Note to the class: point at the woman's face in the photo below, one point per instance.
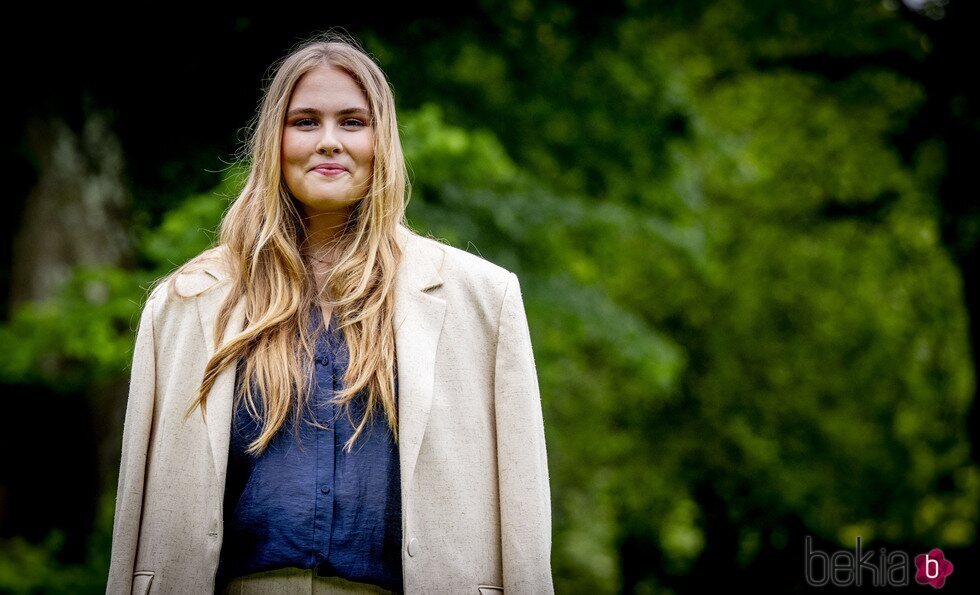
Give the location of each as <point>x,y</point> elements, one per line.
<point>327,142</point>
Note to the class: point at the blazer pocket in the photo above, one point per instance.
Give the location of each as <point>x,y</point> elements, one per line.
<point>490,589</point>
<point>141,582</point>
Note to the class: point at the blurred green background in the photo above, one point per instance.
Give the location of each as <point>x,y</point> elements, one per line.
<point>746,232</point>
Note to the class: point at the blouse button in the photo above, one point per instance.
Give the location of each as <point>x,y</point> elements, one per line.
<point>413,546</point>
<point>325,490</point>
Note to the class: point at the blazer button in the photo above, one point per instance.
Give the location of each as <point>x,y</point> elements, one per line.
<point>413,546</point>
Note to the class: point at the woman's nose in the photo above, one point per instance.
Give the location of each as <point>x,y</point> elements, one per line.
<point>328,141</point>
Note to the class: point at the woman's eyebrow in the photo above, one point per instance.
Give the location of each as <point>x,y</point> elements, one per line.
<point>312,111</point>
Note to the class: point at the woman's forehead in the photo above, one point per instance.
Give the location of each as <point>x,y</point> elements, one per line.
<point>328,90</point>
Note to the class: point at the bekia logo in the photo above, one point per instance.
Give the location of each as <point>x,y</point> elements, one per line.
<point>932,568</point>
<point>887,569</point>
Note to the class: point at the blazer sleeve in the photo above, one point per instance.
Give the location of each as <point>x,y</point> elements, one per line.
<point>522,463</point>
<point>132,466</point>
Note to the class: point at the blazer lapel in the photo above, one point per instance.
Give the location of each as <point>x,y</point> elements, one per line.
<point>220,399</point>
<point>419,317</point>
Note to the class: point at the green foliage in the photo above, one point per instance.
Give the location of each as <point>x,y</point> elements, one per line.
<point>84,335</point>
<point>839,350</point>
<point>81,337</point>
<point>438,154</point>
<point>192,227</point>
<point>772,241</point>
<point>37,568</point>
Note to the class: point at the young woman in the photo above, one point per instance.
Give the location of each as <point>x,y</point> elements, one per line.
<point>327,401</point>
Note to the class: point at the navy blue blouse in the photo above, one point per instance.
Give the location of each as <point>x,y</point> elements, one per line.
<point>313,505</point>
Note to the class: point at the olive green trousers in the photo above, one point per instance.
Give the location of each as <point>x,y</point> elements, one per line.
<point>295,581</point>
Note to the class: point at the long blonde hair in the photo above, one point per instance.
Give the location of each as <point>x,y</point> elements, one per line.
<point>262,232</point>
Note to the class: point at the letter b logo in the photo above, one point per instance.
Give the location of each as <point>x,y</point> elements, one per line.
<point>932,568</point>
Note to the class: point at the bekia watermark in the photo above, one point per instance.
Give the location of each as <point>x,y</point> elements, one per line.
<point>881,569</point>
<point>932,568</point>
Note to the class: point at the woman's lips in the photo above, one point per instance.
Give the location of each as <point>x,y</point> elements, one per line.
<point>330,171</point>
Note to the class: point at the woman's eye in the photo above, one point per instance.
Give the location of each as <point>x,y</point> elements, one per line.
<point>346,123</point>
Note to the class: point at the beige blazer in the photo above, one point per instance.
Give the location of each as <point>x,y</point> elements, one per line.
<point>476,502</point>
